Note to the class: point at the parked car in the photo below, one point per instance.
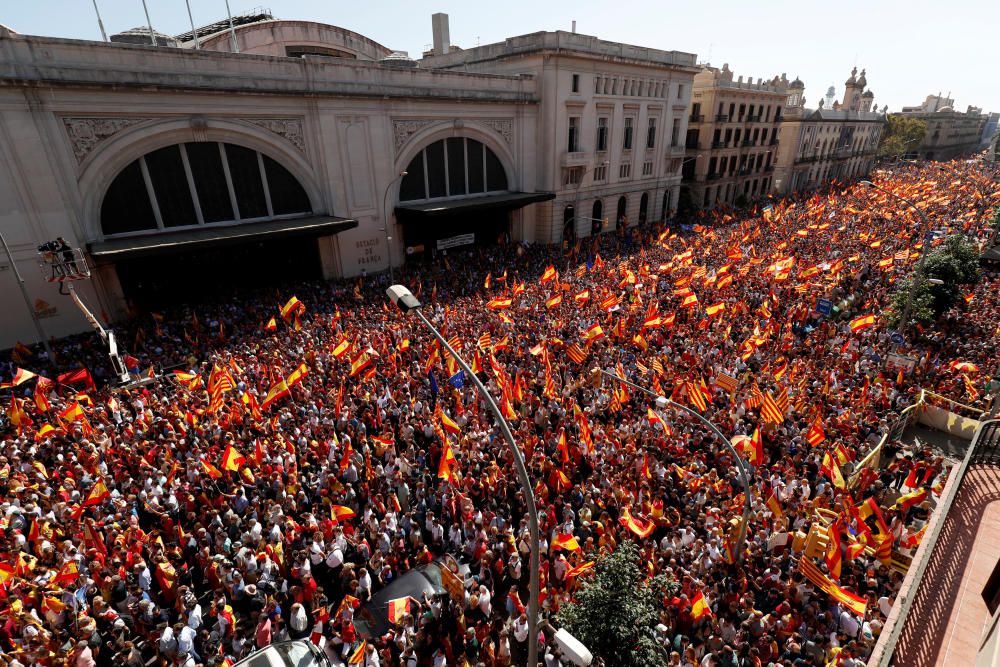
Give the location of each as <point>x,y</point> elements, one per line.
<point>372,618</point>
<point>295,653</point>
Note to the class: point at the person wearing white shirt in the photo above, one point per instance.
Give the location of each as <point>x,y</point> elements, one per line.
<point>194,617</point>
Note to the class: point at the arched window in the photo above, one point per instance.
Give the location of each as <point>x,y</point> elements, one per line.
<point>200,183</point>
<point>622,206</point>
<point>597,214</point>
<point>666,205</point>
<point>569,220</point>
<point>453,167</point>
<point>643,205</point>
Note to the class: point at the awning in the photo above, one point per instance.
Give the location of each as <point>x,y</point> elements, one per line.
<point>506,200</point>
<point>209,236</point>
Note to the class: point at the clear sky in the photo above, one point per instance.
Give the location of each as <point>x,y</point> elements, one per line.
<point>911,48</point>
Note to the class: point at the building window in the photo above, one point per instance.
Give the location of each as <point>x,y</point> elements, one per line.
<point>621,218</point>
<point>601,172</point>
<point>651,133</point>
<point>198,183</point>
<point>573,176</point>
<point>647,168</point>
<point>451,168</point>
<point>598,88</point>
<point>624,170</point>
<point>643,207</point>
<point>680,90</point>
<point>573,143</point>
<point>576,83</point>
<point>602,133</point>
<point>627,139</point>
<point>596,217</point>
<point>675,132</point>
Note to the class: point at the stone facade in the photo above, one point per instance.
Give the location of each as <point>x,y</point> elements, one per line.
<point>818,145</point>
<point>598,103</point>
<point>732,137</point>
<point>949,133</point>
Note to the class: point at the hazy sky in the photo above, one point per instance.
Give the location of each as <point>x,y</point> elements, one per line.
<point>910,48</point>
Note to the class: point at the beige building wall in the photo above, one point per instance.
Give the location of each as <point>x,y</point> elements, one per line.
<point>820,145</point>
<point>949,133</point>
<point>732,138</point>
<point>73,114</point>
<point>599,89</point>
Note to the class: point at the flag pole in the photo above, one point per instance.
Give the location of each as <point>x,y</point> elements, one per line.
<point>197,42</point>
<point>100,23</point>
<point>152,35</point>
<point>232,29</point>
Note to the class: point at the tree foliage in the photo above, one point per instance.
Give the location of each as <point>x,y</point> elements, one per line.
<point>616,610</point>
<point>901,134</point>
<point>956,264</point>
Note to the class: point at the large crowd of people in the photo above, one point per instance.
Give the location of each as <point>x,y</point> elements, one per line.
<point>297,456</point>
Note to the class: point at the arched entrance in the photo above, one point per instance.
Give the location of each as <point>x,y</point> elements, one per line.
<point>597,215</point>
<point>457,192</point>
<point>621,219</point>
<point>666,205</point>
<point>194,219</point>
<point>569,223</point>
<point>643,205</point>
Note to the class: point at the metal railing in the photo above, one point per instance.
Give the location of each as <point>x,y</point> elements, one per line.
<point>873,459</point>
<point>721,118</point>
<point>719,144</point>
<point>697,118</point>
<point>983,450</point>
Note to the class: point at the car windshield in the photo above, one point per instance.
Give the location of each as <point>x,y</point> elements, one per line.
<point>296,655</point>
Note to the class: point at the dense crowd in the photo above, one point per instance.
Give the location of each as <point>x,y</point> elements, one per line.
<point>299,455</point>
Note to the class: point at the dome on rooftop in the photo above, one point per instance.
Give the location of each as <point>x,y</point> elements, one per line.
<point>140,36</point>
<point>797,83</point>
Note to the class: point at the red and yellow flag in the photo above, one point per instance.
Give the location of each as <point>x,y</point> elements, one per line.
<point>699,607</point>
<point>861,323</point>
<point>567,542</point>
<point>232,459</point>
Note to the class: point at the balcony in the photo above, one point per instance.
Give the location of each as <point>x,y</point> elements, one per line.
<point>769,168</point>
<point>773,142</point>
<point>696,118</point>
<point>721,118</point>
<point>720,144</point>
<point>745,171</point>
<point>804,159</point>
<point>747,142</point>
<point>575,159</point>
<point>753,119</point>
<point>693,145</point>
<point>714,176</point>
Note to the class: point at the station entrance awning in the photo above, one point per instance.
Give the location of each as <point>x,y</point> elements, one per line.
<point>206,237</point>
<point>503,201</point>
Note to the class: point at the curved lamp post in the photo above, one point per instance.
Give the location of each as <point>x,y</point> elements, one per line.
<point>407,303</point>
<point>741,466</point>
<point>385,222</point>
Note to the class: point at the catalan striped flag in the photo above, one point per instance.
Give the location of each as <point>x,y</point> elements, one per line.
<point>815,434</point>
<point>576,354</point>
<point>696,397</point>
<point>727,383</point>
<point>770,411</point>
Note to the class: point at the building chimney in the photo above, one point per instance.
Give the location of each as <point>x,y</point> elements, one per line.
<point>442,38</point>
<point>574,27</point>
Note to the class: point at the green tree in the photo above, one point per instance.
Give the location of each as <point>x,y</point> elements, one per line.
<point>616,610</point>
<point>956,264</point>
<point>901,134</point>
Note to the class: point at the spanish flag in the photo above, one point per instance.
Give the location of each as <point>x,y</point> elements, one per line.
<point>446,468</point>
<point>296,376</point>
<point>567,542</point>
<point>72,412</point>
<point>292,307</point>
<point>863,322</point>
<point>715,309</point>
<point>832,470</point>
<point>210,470</point>
<point>398,608</point>
<point>594,332</point>
<point>579,569</point>
<point>341,513</point>
<point>98,494</point>
<point>232,459</point>
<point>910,499</point>
<point>553,301</point>
<point>499,304</point>
<point>360,363</point>
<point>774,505</point>
<point>272,325</point>
<point>699,607</point>
<point>68,573</point>
<point>449,424</point>
<point>689,301</point>
<point>342,348</point>
<point>582,297</point>
<point>279,390</point>
<point>549,274</point>
<point>20,377</point>
<point>640,528</point>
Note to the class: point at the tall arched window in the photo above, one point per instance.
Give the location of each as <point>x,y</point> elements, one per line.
<point>200,183</point>
<point>569,223</point>
<point>453,167</point>
<point>643,206</point>
<point>620,215</point>
<point>666,205</point>
<point>596,214</point>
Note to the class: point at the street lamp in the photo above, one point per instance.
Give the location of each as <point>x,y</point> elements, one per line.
<point>385,221</point>
<point>903,322</point>
<point>741,466</point>
<point>407,303</point>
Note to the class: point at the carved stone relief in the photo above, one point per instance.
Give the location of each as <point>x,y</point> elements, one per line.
<point>287,128</point>
<point>85,134</point>
<point>403,130</point>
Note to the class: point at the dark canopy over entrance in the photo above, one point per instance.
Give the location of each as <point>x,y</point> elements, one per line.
<point>486,218</point>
